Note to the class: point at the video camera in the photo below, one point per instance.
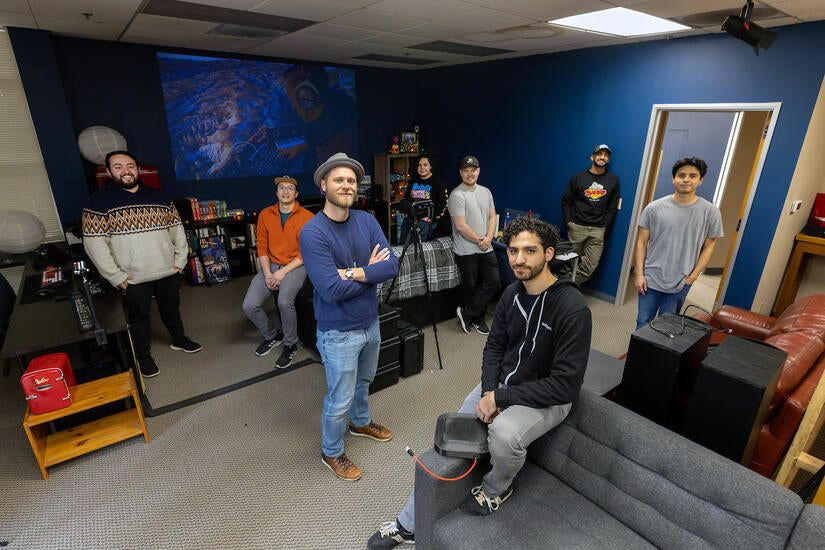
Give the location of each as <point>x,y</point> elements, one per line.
<point>417,209</point>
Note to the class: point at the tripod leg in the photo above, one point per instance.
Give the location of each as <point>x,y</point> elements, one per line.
<point>419,253</point>
<point>407,242</point>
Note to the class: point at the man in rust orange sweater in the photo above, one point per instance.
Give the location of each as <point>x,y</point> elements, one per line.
<point>282,272</point>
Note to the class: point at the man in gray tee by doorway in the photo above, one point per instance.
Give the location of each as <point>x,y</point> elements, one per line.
<point>677,234</point>
<point>474,224</point>
<point>589,204</point>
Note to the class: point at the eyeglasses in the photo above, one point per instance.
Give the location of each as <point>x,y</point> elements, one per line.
<point>286,187</point>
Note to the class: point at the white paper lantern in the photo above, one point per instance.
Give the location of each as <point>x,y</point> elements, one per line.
<point>96,141</point>
<point>20,231</point>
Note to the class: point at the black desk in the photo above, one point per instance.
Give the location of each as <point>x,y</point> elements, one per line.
<point>40,326</point>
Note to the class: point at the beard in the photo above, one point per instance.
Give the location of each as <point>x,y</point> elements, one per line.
<point>126,185</point>
<point>531,272</point>
<point>341,202</point>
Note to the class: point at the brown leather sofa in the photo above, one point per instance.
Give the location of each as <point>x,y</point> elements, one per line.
<point>800,331</point>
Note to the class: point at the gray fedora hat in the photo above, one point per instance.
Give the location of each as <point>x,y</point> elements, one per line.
<point>336,160</point>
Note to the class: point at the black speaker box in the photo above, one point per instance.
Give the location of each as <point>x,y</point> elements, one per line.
<point>412,348</point>
<point>387,321</point>
<point>305,311</point>
<point>734,388</point>
<point>661,368</point>
<point>385,377</point>
<point>389,352</point>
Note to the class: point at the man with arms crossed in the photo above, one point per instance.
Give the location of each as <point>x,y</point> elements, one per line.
<point>677,234</point>
<point>282,271</point>
<point>589,205</point>
<point>474,225</point>
<point>532,370</point>
<point>346,254</point>
<point>135,238</point>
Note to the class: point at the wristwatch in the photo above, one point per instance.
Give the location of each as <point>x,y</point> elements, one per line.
<point>349,273</point>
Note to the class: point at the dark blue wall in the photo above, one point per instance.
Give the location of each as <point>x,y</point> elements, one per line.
<point>114,84</point>
<point>534,121</point>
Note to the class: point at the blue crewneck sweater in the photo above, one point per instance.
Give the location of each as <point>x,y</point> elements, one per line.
<point>327,246</point>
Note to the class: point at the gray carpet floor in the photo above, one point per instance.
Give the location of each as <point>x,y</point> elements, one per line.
<point>242,470</point>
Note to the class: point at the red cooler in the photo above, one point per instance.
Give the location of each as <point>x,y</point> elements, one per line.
<point>48,383</point>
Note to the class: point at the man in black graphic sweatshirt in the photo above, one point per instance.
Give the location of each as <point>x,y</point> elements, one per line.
<point>589,206</point>
<point>532,370</point>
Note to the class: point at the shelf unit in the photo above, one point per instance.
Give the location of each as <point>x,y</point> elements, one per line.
<point>385,165</point>
<point>242,259</point>
<point>53,448</point>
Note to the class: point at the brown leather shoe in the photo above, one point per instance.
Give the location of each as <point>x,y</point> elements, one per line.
<point>372,430</point>
<point>342,467</point>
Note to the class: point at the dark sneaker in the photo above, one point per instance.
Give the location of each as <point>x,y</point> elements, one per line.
<point>287,355</point>
<point>479,503</point>
<point>342,467</point>
<point>465,323</point>
<point>186,345</point>
<point>390,535</point>
<point>373,431</point>
<point>267,345</point>
<point>148,368</point>
<point>481,327</point>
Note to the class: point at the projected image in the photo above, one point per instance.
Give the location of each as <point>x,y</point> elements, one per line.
<point>232,118</point>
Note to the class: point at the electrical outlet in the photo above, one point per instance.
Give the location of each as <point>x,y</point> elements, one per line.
<point>796,206</point>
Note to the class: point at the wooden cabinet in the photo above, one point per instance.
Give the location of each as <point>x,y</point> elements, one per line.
<point>393,172</point>
<point>53,448</point>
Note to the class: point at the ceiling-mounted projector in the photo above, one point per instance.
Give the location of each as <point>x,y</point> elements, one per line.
<point>742,28</point>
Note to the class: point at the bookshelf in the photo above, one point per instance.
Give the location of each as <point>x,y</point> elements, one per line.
<point>236,237</point>
<point>392,172</point>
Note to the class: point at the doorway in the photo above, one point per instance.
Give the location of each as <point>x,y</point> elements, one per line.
<point>733,139</point>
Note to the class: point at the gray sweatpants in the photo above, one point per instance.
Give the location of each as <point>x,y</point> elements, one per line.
<point>258,293</point>
<point>508,437</point>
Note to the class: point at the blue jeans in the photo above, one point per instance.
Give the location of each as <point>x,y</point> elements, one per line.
<point>655,303</point>
<point>350,360</point>
<point>407,225</point>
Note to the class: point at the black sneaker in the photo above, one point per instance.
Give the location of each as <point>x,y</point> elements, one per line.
<point>148,368</point>
<point>481,327</point>
<point>390,535</point>
<point>267,345</point>
<point>186,345</point>
<point>479,503</point>
<point>465,324</point>
<point>286,357</point>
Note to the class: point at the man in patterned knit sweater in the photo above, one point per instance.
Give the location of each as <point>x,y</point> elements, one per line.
<point>136,240</point>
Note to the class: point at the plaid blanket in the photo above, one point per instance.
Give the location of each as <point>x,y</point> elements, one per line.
<point>442,271</point>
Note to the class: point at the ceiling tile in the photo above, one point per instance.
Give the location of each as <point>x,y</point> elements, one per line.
<point>778,22</point>
<point>477,19</point>
<point>80,27</point>
<point>15,6</point>
<point>314,10</point>
<point>677,8</point>
<point>221,43</point>
<point>341,32</point>
<point>103,10</point>
<point>435,32</point>
<point>383,22</point>
<point>168,40</point>
<point>308,41</point>
<point>542,10</point>
<point>8,19</point>
<point>428,10</point>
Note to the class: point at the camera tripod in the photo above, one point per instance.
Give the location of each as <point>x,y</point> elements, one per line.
<point>414,238</point>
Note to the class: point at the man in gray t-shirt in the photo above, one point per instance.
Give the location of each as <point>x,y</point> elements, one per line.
<point>677,234</point>
<point>473,215</point>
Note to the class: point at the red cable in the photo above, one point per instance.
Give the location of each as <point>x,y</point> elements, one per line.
<point>462,476</point>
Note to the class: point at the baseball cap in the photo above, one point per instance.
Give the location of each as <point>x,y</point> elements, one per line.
<point>286,179</point>
<point>468,161</point>
<point>336,160</point>
<point>602,147</point>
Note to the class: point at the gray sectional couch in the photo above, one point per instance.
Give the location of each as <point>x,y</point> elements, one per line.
<point>608,478</point>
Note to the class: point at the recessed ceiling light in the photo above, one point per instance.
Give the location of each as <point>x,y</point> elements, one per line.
<point>619,22</point>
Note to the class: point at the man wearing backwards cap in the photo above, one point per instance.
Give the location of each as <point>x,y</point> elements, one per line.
<point>589,205</point>
<point>346,255</point>
<point>474,224</point>
<point>282,271</point>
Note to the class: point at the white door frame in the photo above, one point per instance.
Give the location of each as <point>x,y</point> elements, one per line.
<point>648,158</point>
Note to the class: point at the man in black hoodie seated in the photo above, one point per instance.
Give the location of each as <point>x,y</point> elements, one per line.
<point>532,370</point>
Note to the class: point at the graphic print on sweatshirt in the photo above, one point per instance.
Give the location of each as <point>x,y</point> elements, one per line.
<point>595,192</point>
<point>421,192</point>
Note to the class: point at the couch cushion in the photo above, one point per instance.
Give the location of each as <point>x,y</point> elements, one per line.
<point>543,513</point>
<point>673,492</point>
<point>803,349</point>
<point>807,314</point>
